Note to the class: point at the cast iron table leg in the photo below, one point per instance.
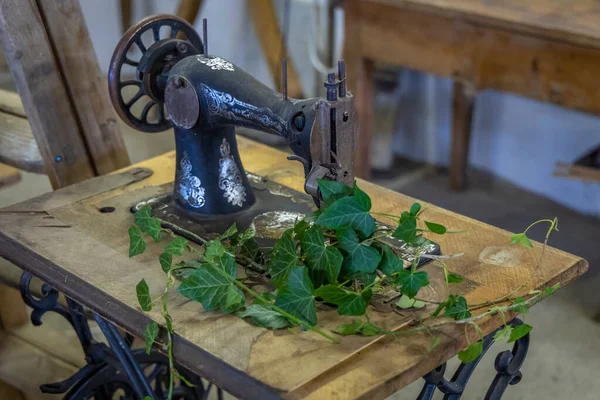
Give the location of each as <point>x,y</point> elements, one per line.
<point>115,370</point>
<point>507,364</point>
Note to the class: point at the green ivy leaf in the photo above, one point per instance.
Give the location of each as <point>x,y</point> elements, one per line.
<point>405,302</point>
<point>353,328</point>
<point>300,228</point>
<point>320,257</point>
<point>368,329</point>
<point>357,327</point>
<point>283,258</point>
<point>348,302</point>
<point>407,230</point>
<point>519,307</point>
<point>237,239</point>
<point>364,278</point>
<point>251,250</point>
<point>502,333</point>
<point>457,308</point>
<point>213,250</point>
<point>263,316</point>
<point>439,309</point>
<point>436,228</point>
<point>147,223</point>
<point>350,212</point>
<point>411,282</point>
<point>166,261</point>
<point>333,190</point>
<point>227,263</point>
<point>359,257</point>
<point>176,246</point>
<point>414,209</point>
<point>213,288</point>
<point>296,297</point>
<point>471,353</point>
<point>455,278</point>
<point>522,239</point>
<point>549,290</point>
<point>390,262</point>
<point>518,332</point>
<point>136,242</point>
<point>150,334</point>
<point>143,295</point>
<point>232,230</point>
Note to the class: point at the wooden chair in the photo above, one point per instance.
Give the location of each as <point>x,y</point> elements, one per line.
<point>61,123</point>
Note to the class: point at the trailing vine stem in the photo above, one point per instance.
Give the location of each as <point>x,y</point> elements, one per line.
<point>467,321</point>
<point>245,261</point>
<point>332,257</point>
<point>513,293</point>
<point>279,310</point>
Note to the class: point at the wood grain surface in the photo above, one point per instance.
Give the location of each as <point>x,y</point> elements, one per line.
<point>566,21</point>
<point>83,253</point>
<point>85,84</point>
<point>40,83</point>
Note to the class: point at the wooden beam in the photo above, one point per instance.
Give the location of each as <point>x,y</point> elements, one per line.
<point>8,175</point>
<point>45,97</point>
<point>85,84</point>
<point>360,83</point>
<point>270,38</point>
<point>188,10</point>
<point>463,102</point>
<point>11,103</point>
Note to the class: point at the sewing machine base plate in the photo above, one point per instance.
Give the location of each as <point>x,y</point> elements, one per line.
<point>277,208</point>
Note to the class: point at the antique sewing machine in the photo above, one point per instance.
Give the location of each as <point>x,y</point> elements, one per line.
<point>204,98</point>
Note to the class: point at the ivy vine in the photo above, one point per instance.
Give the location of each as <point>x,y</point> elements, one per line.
<point>339,256</point>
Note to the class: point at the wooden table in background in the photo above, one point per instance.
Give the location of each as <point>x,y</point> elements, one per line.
<point>548,50</point>
<point>64,239</point>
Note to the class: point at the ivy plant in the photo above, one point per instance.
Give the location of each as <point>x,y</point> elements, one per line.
<point>339,256</point>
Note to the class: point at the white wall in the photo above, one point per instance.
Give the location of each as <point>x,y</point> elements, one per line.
<point>231,33</point>
<point>513,137</point>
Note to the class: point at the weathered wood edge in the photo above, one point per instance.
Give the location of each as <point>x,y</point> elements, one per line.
<point>133,321</point>
<point>542,31</point>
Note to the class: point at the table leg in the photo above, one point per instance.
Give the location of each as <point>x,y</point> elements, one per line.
<point>117,370</point>
<point>463,102</point>
<point>360,83</point>
<point>507,364</point>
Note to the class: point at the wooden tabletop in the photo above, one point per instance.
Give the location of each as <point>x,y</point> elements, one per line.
<point>566,21</point>
<point>64,239</point>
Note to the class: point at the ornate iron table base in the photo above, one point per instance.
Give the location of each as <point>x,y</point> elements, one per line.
<point>111,372</point>
<point>133,374</point>
<point>508,365</point>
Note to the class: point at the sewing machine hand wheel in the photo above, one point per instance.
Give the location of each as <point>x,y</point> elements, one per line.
<point>151,70</point>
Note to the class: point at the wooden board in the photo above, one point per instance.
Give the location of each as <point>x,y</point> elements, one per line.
<point>83,253</point>
<point>85,83</point>
<point>39,81</point>
<point>566,21</point>
<point>8,175</point>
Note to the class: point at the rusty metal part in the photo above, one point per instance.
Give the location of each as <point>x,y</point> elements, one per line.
<point>311,186</point>
<point>182,102</point>
<point>151,70</point>
<point>333,137</point>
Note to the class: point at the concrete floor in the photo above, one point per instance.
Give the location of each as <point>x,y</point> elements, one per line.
<point>564,357</point>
